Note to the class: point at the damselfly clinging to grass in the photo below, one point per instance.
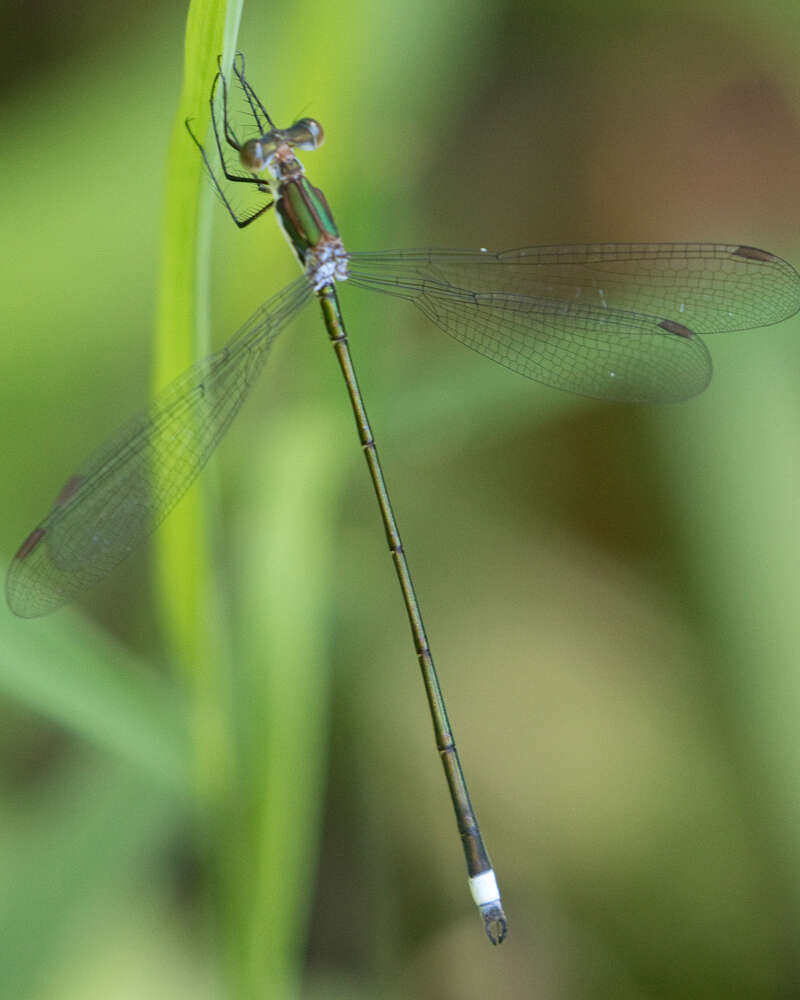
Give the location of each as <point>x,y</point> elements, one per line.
<point>615,321</point>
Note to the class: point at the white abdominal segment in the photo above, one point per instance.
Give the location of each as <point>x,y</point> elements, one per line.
<point>484,888</point>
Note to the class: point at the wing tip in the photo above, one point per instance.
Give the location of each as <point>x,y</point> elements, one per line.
<point>30,543</point>
<point>677,328</point>
<point>753,253</point>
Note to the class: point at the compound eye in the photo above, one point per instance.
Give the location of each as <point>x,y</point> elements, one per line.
<point>307,134</point>
<point>253,156</point>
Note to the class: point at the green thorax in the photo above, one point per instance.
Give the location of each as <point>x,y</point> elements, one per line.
<point>305,216</point>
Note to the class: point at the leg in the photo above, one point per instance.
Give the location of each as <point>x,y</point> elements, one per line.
<point>240,222</point>
<point>250,94</point>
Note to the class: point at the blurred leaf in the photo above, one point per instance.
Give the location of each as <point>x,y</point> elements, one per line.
<point>287,586</point>
<point>74,674</point>
<point>93,838</point>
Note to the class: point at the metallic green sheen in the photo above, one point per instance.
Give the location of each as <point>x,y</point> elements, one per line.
<point>301,212</point>
<point>305,214</point>
<point>323,212</point>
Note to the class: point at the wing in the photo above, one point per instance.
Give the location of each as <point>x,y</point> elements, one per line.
<point>613,321</point>
<point>130,484</point>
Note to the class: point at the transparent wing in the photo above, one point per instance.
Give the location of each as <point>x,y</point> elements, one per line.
<point>613,321</point>
<point>124,491</point>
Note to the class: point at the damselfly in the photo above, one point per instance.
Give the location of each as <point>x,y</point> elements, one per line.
<point>614,321</point>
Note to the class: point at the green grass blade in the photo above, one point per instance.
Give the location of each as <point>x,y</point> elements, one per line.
<point>210,30</point>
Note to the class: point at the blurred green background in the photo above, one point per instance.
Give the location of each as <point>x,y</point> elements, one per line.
<point>611,593</point>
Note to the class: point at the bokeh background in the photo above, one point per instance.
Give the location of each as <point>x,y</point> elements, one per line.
<point>611,592</point>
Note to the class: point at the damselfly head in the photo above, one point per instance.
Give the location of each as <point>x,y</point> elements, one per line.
<point>257,154</point>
